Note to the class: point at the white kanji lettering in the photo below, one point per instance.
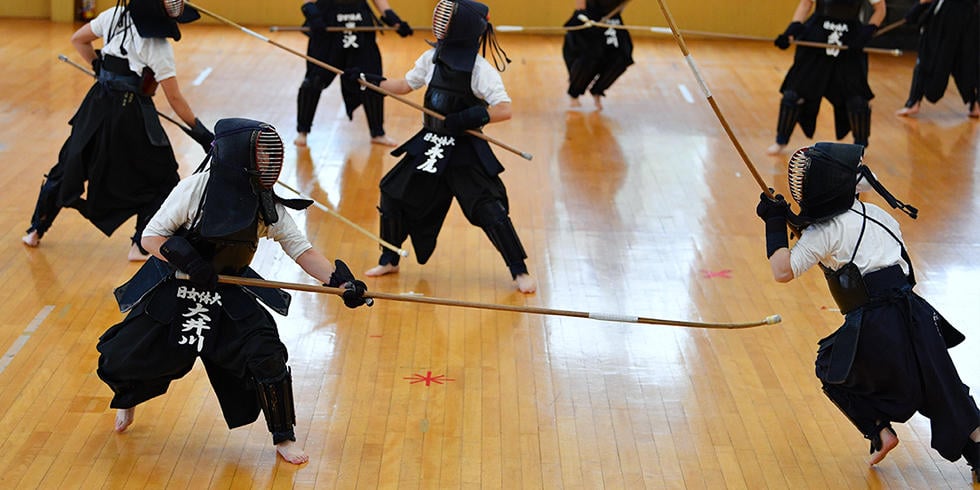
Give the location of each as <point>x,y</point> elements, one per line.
<point>835,37</point>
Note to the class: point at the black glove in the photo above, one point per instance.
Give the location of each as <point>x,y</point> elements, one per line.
<point>314,19</point>
<point>575,20</point>
<point>774,210</point>
<point>914,15</point>
<point>474,117</point>
<point>97,62</point>
<point>201,134</point>
<point>182,255</point>
<point>352,75</point>
<point>343,277</point>
<point>390,18</point>
<point>794,30</point>
<point>862,38</point>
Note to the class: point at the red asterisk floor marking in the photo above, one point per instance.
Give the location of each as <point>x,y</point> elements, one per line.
<point>428,378</point>
<point>724,274</point>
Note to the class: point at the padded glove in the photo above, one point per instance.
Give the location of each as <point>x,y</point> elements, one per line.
<point>342,277</point>
<point>314,19</point>
<point>353,74</point>
<point>773,211</point>
<point>794,30</point>
<point>182,255</point>
<point>470,118</point>
<point>201,134</point>
<point>391,19</point>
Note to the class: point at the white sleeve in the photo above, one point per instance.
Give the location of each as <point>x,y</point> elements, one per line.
<point>179,209</point>
<point>287,234</point>
<point>487,83</point>
<point>809,249</point>
<point>420,74</point>
<point>158,54</point>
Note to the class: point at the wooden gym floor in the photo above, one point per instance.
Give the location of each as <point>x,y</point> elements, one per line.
<point>642,209</point>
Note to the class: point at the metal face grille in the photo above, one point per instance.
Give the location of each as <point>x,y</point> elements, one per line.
<point>173,7</point>
<point>268,156</point>
<point>441,16</point>
<point>798,165</point>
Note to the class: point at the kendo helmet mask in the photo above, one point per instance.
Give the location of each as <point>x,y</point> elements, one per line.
<point>246,160</point>
<point>462,28</point>
<point>823,180</point>
<point>159,18</point>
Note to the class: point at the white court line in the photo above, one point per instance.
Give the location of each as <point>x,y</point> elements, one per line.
<point>8,356</point>
<point>203,76</point>
<point>685,93</point>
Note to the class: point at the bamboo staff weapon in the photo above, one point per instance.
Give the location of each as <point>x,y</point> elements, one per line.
<point>343,29</point>
<point>389,246</point>
<point>92,74</point>
<point>812,44</point>
<point>430,112</point>
<point>246,281</point>
<point>714,105</point>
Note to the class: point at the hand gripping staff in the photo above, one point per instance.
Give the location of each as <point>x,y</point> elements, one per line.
<point>430,112</point>
<point>611,317</point>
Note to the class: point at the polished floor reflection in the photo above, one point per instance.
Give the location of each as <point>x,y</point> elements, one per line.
<point>641,209</point>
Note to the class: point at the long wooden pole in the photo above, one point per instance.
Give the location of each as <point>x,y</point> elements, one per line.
<point>382,242</point>
<point>488,139</point>
<point>711,101</point>
<point>611,317</point>
<point>343,29</point>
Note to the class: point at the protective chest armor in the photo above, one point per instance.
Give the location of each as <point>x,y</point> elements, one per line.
<point>230,254</point>
<point>839,9</point>
<point>333,10</point>
<point>449,91</point>
<point>847,286</point>
<point>602,7</point>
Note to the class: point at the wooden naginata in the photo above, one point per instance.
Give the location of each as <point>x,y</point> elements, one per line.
<point>343,29</point>
<point>363,83</point>
<point>372,236</point>
<point>610,317</point>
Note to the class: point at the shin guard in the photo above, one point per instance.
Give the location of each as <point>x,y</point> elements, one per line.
<point>859,115</point>
<point>789,113</point>
<point>306,102</point>
<point>276,399</point>
<point>868,427</point>
<point>392,231</point>
<point>580,75</point>
<point>374,112</point>
<point>608,74</point>
<point>500,230</point>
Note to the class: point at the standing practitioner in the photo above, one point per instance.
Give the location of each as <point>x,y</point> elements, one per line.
<point>890,358</point>
<point>347,49</point>
<point>839,75</point>
<point>442,162</point>
<point>211,224</point>
<point>949,45</point>
<point>117,147</point>
<point>595,57</point>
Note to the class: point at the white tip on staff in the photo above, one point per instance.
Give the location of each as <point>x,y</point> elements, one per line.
<point>389,246</point>
<point>363,83</point>
<point>609,317</point>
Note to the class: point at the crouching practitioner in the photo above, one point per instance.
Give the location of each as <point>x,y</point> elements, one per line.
<point>210,224</point>
<point>346,49</point>
<point>889,359</point>
<point>840,76</point>
<point>598,56</point>
<point>117,148</point>
<point>441,161</point>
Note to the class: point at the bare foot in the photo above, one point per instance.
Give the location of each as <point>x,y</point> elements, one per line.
<point>380,270</point>
<point>526,284</point>
<point>908,111</point>
<point>383,140</point>
<point>300,139</point>
<point>135,255</point>
<point>974,110</point>
<point>291,452</point>
<point>598,102</point>
<point>31,239</point>
<point>775,149</point>
<point>575,103</point>
<point>124,418</point>
<point>888,442</point>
